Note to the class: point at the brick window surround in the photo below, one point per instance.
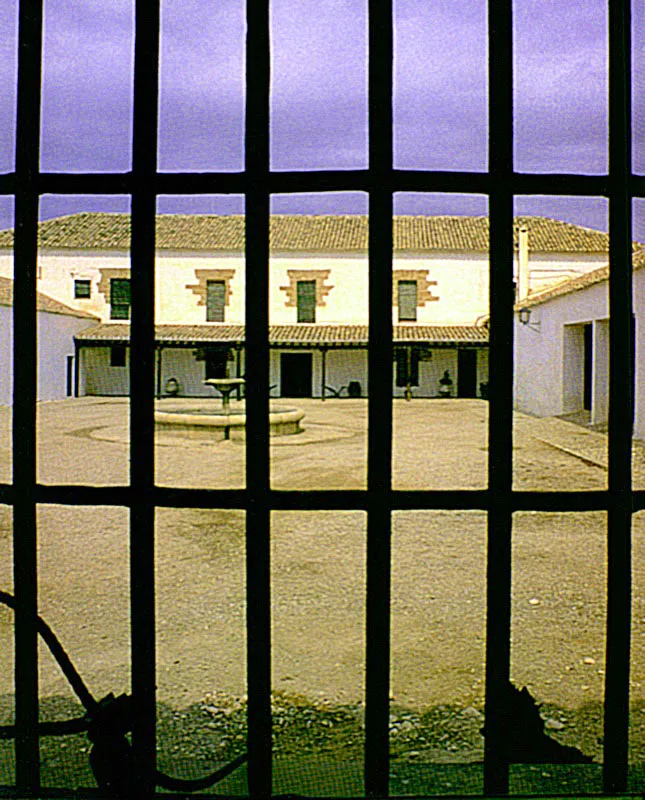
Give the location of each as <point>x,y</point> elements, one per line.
<point>107,275</point>
<point>424,290</point>
<point>320,277</point>
<point>202,276</point>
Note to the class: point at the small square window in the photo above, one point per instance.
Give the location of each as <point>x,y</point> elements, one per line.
<point>82,289</point>
<point>117,355</point>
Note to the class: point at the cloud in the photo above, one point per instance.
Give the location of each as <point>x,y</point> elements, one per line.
<point>319,84</point>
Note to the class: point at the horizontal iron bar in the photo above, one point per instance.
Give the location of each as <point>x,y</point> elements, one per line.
<point>401,180</point>
<point>324,499</point>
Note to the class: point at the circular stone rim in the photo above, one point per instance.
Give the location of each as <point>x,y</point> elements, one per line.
<point>186,419</point>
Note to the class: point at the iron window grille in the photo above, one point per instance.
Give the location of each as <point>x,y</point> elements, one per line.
<point>144,183</point>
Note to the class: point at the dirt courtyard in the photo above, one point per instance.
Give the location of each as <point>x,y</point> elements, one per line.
<point>318,586</point>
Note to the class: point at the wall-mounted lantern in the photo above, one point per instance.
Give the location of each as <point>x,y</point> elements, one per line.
<point>525,319</point>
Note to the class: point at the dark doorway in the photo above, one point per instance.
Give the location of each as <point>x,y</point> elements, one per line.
<point>216,359</point>
<point>588,367</point>
<point>467,373</point>
<point>295,374</point>
<point>70,376</point>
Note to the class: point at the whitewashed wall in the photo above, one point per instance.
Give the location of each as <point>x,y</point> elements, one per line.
<point>346,301</point>
<point>189,373</point>
<point>6,350</point>
<point>639,312</point>
<point>548,379</point>
<point>99,378</point>
<point>548,268</point>
<point>544,383</point>
<point>482,368</point>
<point>177,304</point>
<point>343,367</point>
<point>429,374</point>
<point>181,364</point>
<point>55,343</point>
<point>462,280</point>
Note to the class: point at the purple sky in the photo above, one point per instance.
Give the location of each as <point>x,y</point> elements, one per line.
<point>319,97</point>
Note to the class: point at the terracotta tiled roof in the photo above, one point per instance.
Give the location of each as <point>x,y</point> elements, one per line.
<point>310,233</point>
<point>120,332</point>
<point>43,302</point>
<point>302,334</point>
<point>575,284</point>
<point>441,333</point>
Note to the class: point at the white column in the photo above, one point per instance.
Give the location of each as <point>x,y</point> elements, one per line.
<point>600,374</point>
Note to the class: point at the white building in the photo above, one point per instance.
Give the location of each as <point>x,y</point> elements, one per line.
<point>318,297</point>
<point>562,349</point>
<point>57,326</point>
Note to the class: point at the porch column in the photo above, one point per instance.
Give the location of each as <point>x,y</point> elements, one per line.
<point>600,373</point>
<point>238,369</point>
<point>323,372</point>
<point>159,349</point>
<point>77,355</point>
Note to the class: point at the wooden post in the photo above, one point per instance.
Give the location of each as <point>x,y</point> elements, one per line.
<point>238,369</point>
<point>323,378</point>
<point>77,368</point>
<point>159,349</point>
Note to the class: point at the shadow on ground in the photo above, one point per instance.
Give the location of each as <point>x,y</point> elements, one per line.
<point>318,747</point>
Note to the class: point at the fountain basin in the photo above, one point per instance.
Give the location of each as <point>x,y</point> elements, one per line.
<point>217,424</point>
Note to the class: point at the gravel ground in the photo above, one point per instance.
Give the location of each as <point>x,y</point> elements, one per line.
<point>318,585</point>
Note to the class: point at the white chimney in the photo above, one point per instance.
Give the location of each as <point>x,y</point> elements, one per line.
<point>522,263</point>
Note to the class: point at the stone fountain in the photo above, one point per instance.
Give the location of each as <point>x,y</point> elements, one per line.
<point>217,424</point>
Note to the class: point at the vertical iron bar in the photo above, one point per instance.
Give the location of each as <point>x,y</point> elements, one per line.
<point>258,518</point>
<point>621,389</point>
<point>25,393</point>
<point>379,454</point>
<point>142,383</point>
<point>500,421</point>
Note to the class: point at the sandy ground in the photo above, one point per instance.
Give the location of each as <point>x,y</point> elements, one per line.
<point>318,582</point>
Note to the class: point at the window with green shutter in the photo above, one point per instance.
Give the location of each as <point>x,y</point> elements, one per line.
<point>306,301</point>
<point>120,298</point>
<point>407,301</point>
<point>82,289</point>
<point>215,301</point>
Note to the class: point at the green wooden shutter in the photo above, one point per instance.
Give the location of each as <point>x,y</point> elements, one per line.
<point>120,298</point>
<point>306,301</point>
<point>215,301</point>
<point>408,300</point>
